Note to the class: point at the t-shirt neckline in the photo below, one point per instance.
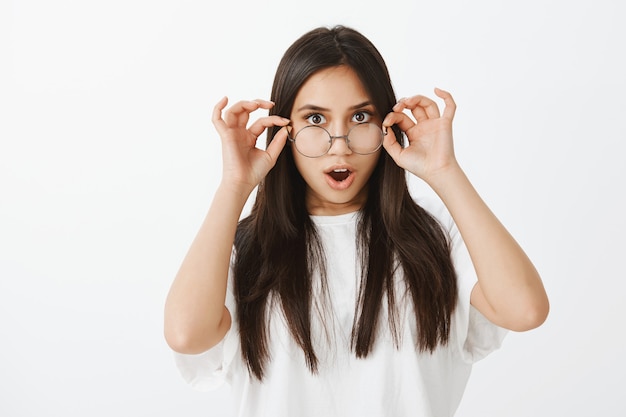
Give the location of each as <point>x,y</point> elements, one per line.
<point>336,219</point>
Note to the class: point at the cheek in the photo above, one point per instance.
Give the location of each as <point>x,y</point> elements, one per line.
<point>370,166</point>
<point>304,165</point>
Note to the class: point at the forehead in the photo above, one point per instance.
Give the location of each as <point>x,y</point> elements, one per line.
<point>334,88</point>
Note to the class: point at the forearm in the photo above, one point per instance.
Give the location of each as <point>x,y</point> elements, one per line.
<point>195,316</point>
<point>509,291</point>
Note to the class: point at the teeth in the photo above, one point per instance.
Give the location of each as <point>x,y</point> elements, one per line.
<point>340,170</point>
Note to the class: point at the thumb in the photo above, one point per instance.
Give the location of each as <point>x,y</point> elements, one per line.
<point>391,144</point>
<point>277,144</point>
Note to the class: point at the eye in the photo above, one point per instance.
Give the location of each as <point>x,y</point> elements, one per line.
<point>316,119</point>
<point>361,117</point>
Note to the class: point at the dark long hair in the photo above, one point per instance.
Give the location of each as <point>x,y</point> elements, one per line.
<point>278,249</point>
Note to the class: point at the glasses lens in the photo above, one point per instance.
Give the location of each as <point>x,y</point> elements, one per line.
<point>312,141</point>
<point>365,138</point>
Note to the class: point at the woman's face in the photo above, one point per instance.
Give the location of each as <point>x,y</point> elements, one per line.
<point>334,99</point>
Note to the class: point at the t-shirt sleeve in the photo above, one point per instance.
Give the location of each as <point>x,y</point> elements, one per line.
<point>475,336</point>
<point>211,369</point>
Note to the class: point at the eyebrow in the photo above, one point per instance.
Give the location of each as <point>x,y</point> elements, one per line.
<point>318,108</point>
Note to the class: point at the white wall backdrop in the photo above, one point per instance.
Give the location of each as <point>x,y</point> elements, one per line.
<point>108,161</point>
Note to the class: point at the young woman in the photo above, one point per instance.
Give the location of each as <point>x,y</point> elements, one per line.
<point>341,294</point>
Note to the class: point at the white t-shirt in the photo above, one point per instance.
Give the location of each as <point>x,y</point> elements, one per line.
<point>389,382</point>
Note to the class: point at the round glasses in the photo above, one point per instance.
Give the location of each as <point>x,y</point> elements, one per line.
<point>315,141</point>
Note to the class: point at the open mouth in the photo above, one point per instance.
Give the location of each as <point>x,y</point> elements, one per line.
<point>339,175</point>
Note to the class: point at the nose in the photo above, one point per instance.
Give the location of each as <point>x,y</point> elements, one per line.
<point>339,143</point>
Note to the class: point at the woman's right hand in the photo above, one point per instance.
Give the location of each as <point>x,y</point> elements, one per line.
<point>243,164</point>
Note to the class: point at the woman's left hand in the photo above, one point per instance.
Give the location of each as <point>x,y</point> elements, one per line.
<point>509,291</point>
<point>430,149</point>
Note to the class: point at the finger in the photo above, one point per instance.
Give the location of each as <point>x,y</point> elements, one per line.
<point>420,105</point>
<point>403,121</point>
<point>418,112</point>
<point>239,112</point>
<point>216,116</point>
<point>391,144</point>
<point>252,105</point>
<point>263,123</point>
<point>450,109</point>
<point>277,144</point>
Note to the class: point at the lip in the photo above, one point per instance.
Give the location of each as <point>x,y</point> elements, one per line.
<point>338,166</point>
<point>339,185</point>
